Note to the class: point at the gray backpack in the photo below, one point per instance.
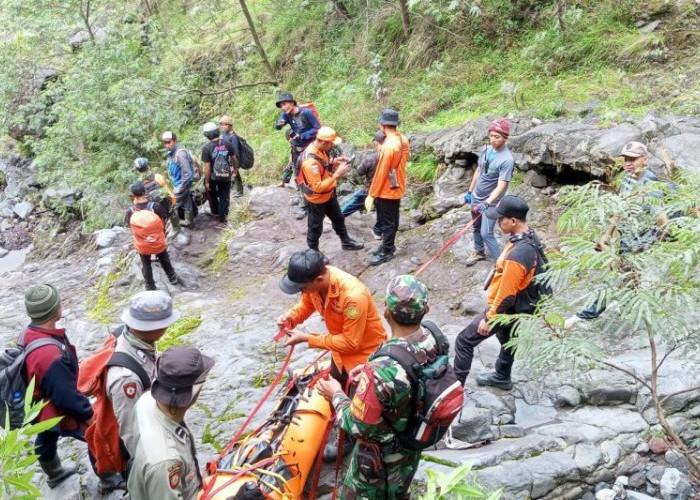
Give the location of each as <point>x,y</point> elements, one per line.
<point>13,385</point>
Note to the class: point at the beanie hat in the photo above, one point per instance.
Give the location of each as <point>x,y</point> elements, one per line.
<point>42,303</point>
<point>500,127</point>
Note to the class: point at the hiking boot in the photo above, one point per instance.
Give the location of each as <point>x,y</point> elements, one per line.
<point>174,280</point>
<point>350,244</point>
<point>294,200</point>
<point>175,223</point>
<point>377,250</point>
<point>494,380</point>
<point>377,236</point>
<point>330,452</point>
<point>474,257</point>
<point>381,258</point>
<point>189,220</point>
<point>55,472</point>
<point>301,213</point>
<point>151,287</point>
<point>111,482</point>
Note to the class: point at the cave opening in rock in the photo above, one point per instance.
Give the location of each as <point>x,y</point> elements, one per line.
<point>566,174</point>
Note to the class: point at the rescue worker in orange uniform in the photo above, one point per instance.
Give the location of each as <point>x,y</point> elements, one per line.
<point>389,184</point>
<point>318,178</point>
<point>355,329</point>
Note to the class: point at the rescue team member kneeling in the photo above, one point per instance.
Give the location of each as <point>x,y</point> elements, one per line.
<point>507,293</point>
<point>380,467</point>
<point>318,179</point>
<point>55,368</point>
<point>165,465</point>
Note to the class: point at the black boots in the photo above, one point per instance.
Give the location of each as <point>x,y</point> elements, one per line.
<point>350,244</point>
<point>493,379</point>
<point>380,258</point>
<point>55,473</point>
<point>111,482</point>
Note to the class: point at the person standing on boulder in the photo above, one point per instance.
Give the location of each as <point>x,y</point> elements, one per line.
<point>304,126</point>
<point>147,222</point>
<point>318,178</point>
<point>489,183</point>
<point>181,168</point>
<point>228,135</point>
<point>158,190</point>
<point>220,166</point>
<point>510,291</point>
<point>55,370</point>
<point>388,184</point>
<point>366,168</point>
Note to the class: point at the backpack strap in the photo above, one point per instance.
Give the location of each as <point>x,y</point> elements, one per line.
<point>126,361</point>
<point>305,186</point>
<point>403,357</point>
<point>38,343</point>
<point>150,206</point>
<point>443,344</point>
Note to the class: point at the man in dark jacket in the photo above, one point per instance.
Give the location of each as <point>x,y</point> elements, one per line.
<point>366,169</point>
<point>55,370</point>
<point>304,125</point>
<point>220,160</point>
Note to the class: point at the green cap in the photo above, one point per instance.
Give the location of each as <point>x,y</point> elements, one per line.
<point>407,299</point>
<point>42,303</point>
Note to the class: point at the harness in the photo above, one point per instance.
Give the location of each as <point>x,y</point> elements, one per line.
<point>304,185</point>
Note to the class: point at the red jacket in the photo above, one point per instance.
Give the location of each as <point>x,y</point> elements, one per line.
<point>56,373</point>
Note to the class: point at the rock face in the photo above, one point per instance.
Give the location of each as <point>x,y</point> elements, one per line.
<point>578,150</point>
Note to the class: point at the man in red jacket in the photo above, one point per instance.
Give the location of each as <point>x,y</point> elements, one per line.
<point>56,372</point>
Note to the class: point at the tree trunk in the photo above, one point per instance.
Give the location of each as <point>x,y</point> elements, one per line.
<point>341,8</point>
<point>561,10</point>
<point>405,19</point>
<point>259,46</point>
<point>85,15</point>
<point>668,428</point>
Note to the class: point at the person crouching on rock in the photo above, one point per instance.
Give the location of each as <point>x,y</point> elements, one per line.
<point>147,222</point>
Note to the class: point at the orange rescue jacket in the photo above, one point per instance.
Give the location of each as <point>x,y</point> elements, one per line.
<point>515,268</point>
<point>354,327</point>
<point>393,155</point>
<point>315,176</point>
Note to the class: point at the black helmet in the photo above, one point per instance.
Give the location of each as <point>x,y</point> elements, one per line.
<point>141,164</point>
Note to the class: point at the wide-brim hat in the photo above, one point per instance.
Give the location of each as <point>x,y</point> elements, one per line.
<point>180,371</point>
<point>150,310</point>
<point>283,97</point>
<point>389,117</point>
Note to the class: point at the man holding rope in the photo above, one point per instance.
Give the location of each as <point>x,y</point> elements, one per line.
<point>355,329</point>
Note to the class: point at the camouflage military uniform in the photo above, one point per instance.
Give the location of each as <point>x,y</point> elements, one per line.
<point>380,408</point>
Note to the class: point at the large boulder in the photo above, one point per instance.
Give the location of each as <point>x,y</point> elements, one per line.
<point>683,150</point>
<point>27,107</point>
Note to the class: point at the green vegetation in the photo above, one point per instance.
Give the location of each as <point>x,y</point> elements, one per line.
<point>101,306</point>
<point>175,332</point>
<point>17,456</point>
<point>148,68</point>
<point>455,484</point>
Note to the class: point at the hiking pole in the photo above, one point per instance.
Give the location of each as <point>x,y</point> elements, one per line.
<point>447,245</point>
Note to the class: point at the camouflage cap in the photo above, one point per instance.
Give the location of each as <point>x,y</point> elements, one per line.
<point>407,298</point>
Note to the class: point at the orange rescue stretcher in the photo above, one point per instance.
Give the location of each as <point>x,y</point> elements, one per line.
<point>277,458</point>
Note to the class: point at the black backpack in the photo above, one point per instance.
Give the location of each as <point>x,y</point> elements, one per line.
<point>246,156</point>
<point>221,162</point>
<point>526,301</point>
<point>13,385</point>
<point>438,394</point>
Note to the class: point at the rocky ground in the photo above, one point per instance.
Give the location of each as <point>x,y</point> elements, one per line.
<point>552,436</point>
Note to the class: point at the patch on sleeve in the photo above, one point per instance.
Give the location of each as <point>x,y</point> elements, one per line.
<point>352,311</point>
<point>315,169</point>
<point>130,390</point>
<point>174,475</point>
<point>365,406</point>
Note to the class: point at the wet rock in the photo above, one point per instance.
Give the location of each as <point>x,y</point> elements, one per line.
<point>265,201</point>
<point>548,470</point>
<point>658,445</point>
<point>472,303</point>
<point>567,395</point>
<point>23,209</point>
<point>681,149</point>
<point>617,420</point>
<point>606,494</point>
<point>635,495</point>
<point>60,196</point>
<point>511,431</point>
<point>6,211</point>
<point>182,239</point>
<point>674,485</point>
<point>611,453</point>
<point>510,476</point>
<point>637,480</point>
<point>474,425</point>
<point>534,179</point>
<point>654,474</point>
<point>105,238</point>
<point>502,408</point>
<point>677,460</point>
<point>587,457</point>
<point>604,388</point>
<point>3,252</point>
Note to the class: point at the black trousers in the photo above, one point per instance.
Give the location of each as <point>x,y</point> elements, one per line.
<point>219,199</point>
<point>469,338</point>
<point>318,212</point>
<point>165,263</point>
<point>388,218</point>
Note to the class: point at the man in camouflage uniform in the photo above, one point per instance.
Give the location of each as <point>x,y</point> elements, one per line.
<point>380,467</point>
